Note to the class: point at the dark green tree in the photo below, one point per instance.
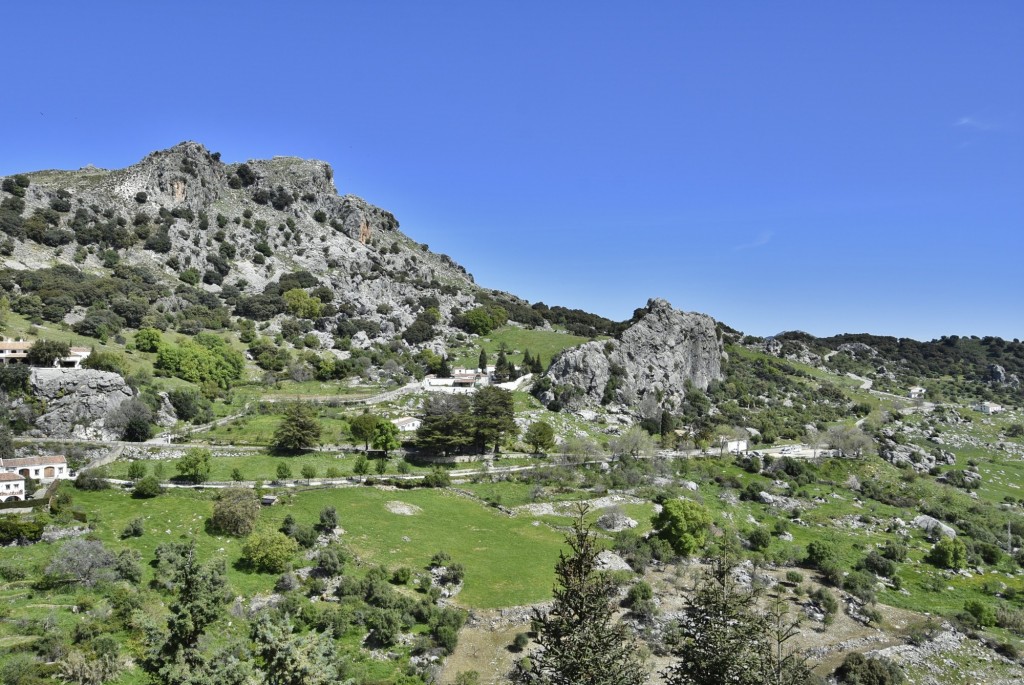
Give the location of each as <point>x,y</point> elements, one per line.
<point>540,435</point>
<point>385,437</point>
<point>446,370</point>
<point>300,429</point>
<point>493,416</point>
<point>580,642</point>
<point>362,428</point>
<point>482,362</point>
<point>46,352</point>
<point>724,638</point>
<point>195,465</point>
<point>291,658</point>
<point>201,594</point>
<point>447,424</point>
<point>6,443</point>
<point>502,373</point>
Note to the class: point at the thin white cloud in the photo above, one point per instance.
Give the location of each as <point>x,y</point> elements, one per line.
<point>976,124</point>
<point>763,239</point>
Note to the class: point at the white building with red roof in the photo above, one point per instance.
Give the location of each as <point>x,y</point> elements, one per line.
<point>44,469</point>
<point>12,487</point>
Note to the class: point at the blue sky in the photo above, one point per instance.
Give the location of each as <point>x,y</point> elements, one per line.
<point>831,167</point>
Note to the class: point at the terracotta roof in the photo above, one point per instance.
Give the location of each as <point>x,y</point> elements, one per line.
<point>11,476</point>
<point>51,460</point>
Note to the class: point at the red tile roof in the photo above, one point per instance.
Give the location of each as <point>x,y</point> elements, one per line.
<point>50,460</point>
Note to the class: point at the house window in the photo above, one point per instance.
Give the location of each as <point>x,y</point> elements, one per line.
<point>37,472</point>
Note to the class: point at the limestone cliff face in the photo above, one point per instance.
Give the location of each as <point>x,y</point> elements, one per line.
<point>653,358</point>
<point>241,226</point>
<point>77,401</point>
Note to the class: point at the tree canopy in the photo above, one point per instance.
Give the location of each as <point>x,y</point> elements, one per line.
<point>580,641</point>
<point>300,429</point>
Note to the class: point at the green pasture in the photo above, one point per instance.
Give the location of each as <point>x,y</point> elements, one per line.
<point>547,344</point>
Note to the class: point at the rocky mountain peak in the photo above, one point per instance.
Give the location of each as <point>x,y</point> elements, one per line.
<point>652,360</point>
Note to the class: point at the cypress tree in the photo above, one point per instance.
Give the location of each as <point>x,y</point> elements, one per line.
<point>482,364</point>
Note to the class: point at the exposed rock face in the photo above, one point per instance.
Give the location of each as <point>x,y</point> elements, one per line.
<point>652,360</point>
<point>911,455</point>
<point>277,216</point>
<point>933,526</point>
<point>997,374</point>
<point>77,402</point>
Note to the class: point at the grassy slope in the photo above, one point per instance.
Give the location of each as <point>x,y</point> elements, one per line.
<point>539,342</point>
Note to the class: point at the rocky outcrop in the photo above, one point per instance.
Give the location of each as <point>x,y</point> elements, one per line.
<point>932,526</point>
<point>653,359</point>
<point>77,402</point>
<point>243,225</point>
<point>910,455</point>
<point>997,375</point>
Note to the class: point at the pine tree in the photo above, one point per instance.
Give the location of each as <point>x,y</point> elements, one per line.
<point>501,374</point>
<point>580,643</point>
<point>446,370</point>
<point>537,366</point>
<point>482,363</point>
<point>527,361</point>
<point>724,638</point>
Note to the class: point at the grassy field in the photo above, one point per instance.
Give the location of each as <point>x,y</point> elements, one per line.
<point>508,561</point>
<point>539,342</point>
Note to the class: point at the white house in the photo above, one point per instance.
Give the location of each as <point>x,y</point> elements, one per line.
<point>988,407</point>
<point>15,351</point>
<point>45,469</point>
<point>407,424</point>
<point>12,487</point>
<point>462,381</point>
<point>917,393</point>
<point>736,446</point>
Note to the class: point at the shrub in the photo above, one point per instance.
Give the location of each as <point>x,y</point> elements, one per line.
<point>948,553</point>
<point>141,197</point>
<point>134,529</point>
<point>983,614</point>
<point>235,512</point>
<point>147,487</point>
<point>857,669</point>
<point>268,551</point>
<point>92,479</point>
<point>821,553</point>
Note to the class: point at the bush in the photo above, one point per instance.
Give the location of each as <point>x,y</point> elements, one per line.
<point>134,529</point>
<point>983,614</point>
<point>92,479</point>
<point>948,553</point>
<point>857,669</point>
<point>147,487</point>
<point>141,197</point>
<point>235,512</point>
<point>268,551</point>
<point>821,553</point>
